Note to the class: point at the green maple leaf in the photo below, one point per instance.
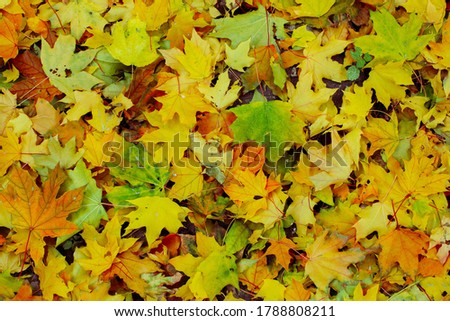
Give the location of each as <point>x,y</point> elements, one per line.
<point>64,68</point>
<point>392,41</point>
<point>256,25</point>
<point>144,179</point>
<point>136,168</point>
<point>263,121</point>
<point>91,210</point>
<point>66,156</point>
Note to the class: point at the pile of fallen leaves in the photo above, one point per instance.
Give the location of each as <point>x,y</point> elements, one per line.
<point>224,150</point>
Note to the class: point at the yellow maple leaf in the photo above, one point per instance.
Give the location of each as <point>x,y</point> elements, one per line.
<point>169,141</point>
<point>440,49</point>
<point>95,144</point>
<point>325,261</point>
<point>187,175</point>
<point>335,161</point>
<point>50,280</point>
<point>271,290</point>
<point>107,254</point>
<point>374,218</point>
<point>155,213</point>
<point>102,120</point>
<point>355,108</point>
<point>238,58</point>
<point>419,177</point>
<point>431,11</point>
<point>370,295</point>
<point>220,94</point>
<point>154,15</point>
<point>196,61</point>
<point>382,134</point>
<point>389,81</point>
<point>312,8</point>
<point>308,104</point>
<point>185,105</point>
<point>10,152</point>
<point>8,105</point>
<point>318,60</point>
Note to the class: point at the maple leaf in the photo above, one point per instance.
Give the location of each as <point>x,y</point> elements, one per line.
<point>65,68</point>
<point>419,177</point>
<point>50,278</point>
<point>35,83</point>
<point>91,210</point>
<point>154,15</point>
<point>256,25</point>
<point>256,271</point>
<point>8,105</point>
<point>382,134</point>
<point>37,213</point>
<point>155,213</point>
<point>374,218</point>
<point>318,60</point>
<point>402,246</point>
<point>188,180</point>
<point>271,290</point>
<point>221,95</point>
<point>393,42</point>
<point>9,39</point>
<point>238,58</point>
<point>10,151</point>
<point>209,273</point>
<point>183,24</point>
<point>66,156</point>
<point>137,169</point>
<point>94,143</point>
<point>355,108</point>
<point>307,103</point>
<point>389,80</point>
<point>334,168</point>
<point>326,262</point>
<point>47,117</point>
<point>259,121</point>
<point>280,249</point>
<point>81,14</point>
<point>311,8</point>
<point>261,69</point>
<point>106,254</point>
<point>296,292</point>
<point>237,237</point>
<point>431,11</point>
<point>439,48</point>
<point>183,104</point>
<point>132,45</point>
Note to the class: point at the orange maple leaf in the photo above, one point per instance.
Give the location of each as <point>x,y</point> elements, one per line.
<point>402,246</point>
<point>37,213</point>
<point>280,248</point>
<point>9,39</point>
<point>296,292</point>
<point>35,83</point>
